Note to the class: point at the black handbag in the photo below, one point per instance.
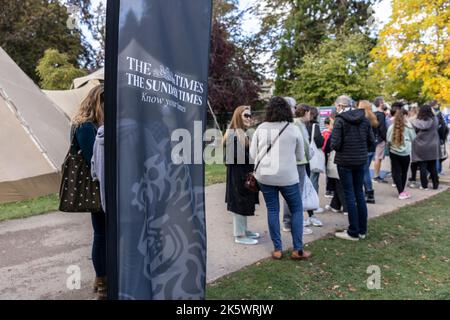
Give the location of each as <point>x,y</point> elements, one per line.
<point>250,182</point>
<point>78,191</point>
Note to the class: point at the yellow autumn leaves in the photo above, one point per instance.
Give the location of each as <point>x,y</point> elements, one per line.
<point>413,51</point>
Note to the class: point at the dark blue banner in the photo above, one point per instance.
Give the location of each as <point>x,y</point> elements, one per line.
<point>156,84</point>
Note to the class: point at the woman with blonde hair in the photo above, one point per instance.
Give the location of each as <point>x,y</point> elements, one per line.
<point>370,193</point>
<point>240,201</point>
<point>85,124</point>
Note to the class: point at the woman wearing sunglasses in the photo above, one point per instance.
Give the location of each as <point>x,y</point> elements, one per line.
<point>240,201</point>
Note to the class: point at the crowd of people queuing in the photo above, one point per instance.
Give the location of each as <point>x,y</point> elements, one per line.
<point>288,152</point>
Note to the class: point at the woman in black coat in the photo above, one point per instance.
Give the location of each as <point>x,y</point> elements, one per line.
<point>240,201</point>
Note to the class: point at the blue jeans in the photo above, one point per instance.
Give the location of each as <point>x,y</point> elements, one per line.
<point>99,244</point>
<point>352,179</point>
<point>315,180</point>
<point>438,166</point>
<point>367,179</point>
<point>294,200</point>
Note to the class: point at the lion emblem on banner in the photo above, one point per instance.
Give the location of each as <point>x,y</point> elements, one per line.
<point>172,239</point>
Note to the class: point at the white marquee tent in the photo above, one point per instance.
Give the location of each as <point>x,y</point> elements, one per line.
<point>34,136</point>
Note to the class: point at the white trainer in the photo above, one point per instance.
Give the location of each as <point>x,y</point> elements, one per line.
<point>252,235</point>
<point>307,231</point>
<point>245,240</point>
<point>345,236</point>
<point>315,222</point>
<point>307,222</point>
<point>320,210</point>
<point>330,208</point>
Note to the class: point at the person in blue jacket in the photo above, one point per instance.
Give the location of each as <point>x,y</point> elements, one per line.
<point>85,123</point>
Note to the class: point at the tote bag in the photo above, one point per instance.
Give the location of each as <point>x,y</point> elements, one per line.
<point>78,191</point>
<point>332,171</point>
<point>310,198</point>
<point>317,162</point>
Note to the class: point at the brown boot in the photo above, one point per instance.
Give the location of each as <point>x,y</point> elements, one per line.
<point>277,254</point>
<point>100,288</point>
<point>300,255</point>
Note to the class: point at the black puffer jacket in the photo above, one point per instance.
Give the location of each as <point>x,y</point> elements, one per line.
<point>352,138</point>
<point>380,131</point>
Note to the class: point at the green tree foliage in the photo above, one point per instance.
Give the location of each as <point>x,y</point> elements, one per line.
<point>56,72</point>
<point>340,66</point>
<point>28,28</point>
<point>295,28</point>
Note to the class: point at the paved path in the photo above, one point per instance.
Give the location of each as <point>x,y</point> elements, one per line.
<point>36,252</point>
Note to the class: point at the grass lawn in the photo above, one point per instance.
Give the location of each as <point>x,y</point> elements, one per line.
<point>24,209</point>
<point>410,246</point>
<point>214,173</point>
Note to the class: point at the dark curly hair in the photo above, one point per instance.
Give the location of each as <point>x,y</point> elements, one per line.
<point>425,112</point>
<point>314,114</point>
<point>278,110</point>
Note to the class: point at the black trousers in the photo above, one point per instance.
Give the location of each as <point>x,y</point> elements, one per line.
<point>425,167</point>
<point>399,167</point>
<point>330,185</point>
<point>414,168</point>
<point>338,200</point>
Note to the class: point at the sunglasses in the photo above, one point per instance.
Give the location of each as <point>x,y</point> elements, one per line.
<point>247,115</point>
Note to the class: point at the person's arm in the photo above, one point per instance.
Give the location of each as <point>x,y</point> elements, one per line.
<point>370,138</point>
<point>318,139</point>
<point>336,136</point>
<point>412,134</point>
<point>300,147</point>
<point>383,128</point>
<point>389,134</point>
<point>327,148</point>
<point>442,128</point>
<point>85,135</point>
<point>254,146</point>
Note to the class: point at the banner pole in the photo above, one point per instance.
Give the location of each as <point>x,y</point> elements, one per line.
<point>111,53</point>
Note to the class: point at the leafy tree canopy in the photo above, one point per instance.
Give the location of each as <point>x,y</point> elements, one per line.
<point>413,53</point>
<point>340,66</point>
<point>28,28</point>
<point>56,72</point>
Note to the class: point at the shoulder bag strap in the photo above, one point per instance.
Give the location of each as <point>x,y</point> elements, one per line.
<point>270,146</point>
<point>312,133</point>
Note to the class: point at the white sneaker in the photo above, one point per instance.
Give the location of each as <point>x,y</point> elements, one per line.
<point>252,235</point>
<point>315,222</point>
<point>320,210</point>
<point>307,222</point>
<point>245,240</point>
<point>362,236</point>
<point>286,229</point>
<point>345,236</point>
<point>307,231</point>
<point>422,188</point>
<point>329,208</point>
